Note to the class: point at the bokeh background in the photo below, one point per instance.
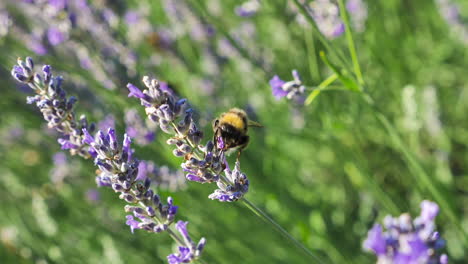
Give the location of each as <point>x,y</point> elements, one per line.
<point>326,172</point>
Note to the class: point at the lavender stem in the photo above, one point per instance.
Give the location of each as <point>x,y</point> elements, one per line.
<point>260,213</point>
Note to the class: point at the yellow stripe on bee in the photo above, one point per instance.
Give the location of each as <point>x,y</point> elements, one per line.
<point>234,120</point>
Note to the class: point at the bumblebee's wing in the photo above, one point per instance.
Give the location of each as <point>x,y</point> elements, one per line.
<point>251,123</point>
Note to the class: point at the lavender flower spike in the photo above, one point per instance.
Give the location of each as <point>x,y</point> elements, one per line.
<point>56,108</point>
<point>190,250</point>
<point>121,170</point>
<point>408,241</point>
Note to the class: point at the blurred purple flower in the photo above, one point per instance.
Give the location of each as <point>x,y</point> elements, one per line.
<point>407,241</point>
<point>93,195</point>
<point>358,12</point>
<point>131,17</point>
<point>248,8</point>
<point>106,123</point>
<point>58,4</point>
<point>60,158</point>
<point>36,46</point>
<point>327,16</point>
<point>55,36</point>
<point>291,90</point>
<point>138,129</point>
<point>276,85</point>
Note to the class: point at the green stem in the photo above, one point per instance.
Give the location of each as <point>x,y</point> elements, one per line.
<point>278,228</point>
<point>174,236</point>
<point>351,46</point>
<point>329,80</point>
<point>370,184</point>
<point>313,61</point>
<point>320,87</point>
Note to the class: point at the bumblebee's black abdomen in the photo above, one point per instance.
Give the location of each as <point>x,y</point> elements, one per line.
<point>233,137</point>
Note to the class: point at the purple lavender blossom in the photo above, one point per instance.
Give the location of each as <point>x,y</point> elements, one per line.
<point>408,241</point>
<point>133,224</point>
<point>276,85</point>
<point>162,177</point>
<point>55,36</point>
<point>292,89</point>
<point>93,195</point>
<point>236,188</point>
<point>138,129</point>
<point>358,11</point>
<point>248,8</point>
<point>107,122</point>
<point>131,17</point>
<point>190,250</point>
<point>327,16</point>
<point>36,46</point>
<point>5,22</point>
<point>63,168</point>
<point>58,4</point>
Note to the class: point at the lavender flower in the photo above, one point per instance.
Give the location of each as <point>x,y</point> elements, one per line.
<point>237,187</point>
<point>203,163</point>
<point>327,16</point>
<point>291,89</point>
<point>5,22</point>
<point>248,8</point>
<point>35,45</point>
<point>107,122</point>
<point>93,195</point>
<point>56,108</point>
<point>408,241</point>
<point>358,11</point>
<point>63,168</point>
<point>137,128</point>
<point>190,250</point>
<point>55,36</point>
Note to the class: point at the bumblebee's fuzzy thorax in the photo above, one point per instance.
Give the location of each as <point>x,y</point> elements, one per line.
<point>235,120</point>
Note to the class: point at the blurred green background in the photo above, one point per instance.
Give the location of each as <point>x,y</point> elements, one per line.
<point>325,172</point>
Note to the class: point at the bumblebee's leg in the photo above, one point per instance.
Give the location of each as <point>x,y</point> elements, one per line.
<point>238,154</point>
<point>215,131</point>
<point>242,143</point>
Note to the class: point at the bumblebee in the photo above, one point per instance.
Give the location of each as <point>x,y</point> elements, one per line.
<point>232,128</point>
